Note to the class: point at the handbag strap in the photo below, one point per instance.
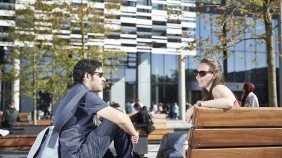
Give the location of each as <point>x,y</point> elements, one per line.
<point>65,116</point>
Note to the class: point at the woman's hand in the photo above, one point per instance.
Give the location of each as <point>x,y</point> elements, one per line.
<point>189,113</point>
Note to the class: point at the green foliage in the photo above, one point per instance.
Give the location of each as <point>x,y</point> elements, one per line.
<point>47,53</point>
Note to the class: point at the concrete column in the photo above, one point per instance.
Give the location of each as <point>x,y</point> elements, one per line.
<point>118,90</point>
<point>181,86</point>
<point>144,78</point>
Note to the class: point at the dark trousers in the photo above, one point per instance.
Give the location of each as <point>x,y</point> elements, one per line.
<point>111,132</point>
<point>98,141</point>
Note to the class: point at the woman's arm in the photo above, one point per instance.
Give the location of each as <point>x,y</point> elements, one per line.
<point>223,98</point>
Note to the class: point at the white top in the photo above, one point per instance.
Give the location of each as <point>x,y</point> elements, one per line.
<point>251,100</point>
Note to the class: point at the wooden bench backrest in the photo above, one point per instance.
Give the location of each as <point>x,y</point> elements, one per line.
<point>17,142</point>
<point>23,116</point>
<point>239,117</point>
<point>237,132</point>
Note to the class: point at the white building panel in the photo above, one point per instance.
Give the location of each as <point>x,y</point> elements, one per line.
<point>174,31</point>
<point>7,23</point>
<point>128,20</point>
<point>129,49</point>
<point>7,12</point>
<point>159,12</point>
<point>144,22</point>
<point>112,41</point>
<point>173,45</point>
<point>128,9</point>
<point>128,36</point>
<point>129,41</point>
<point>188,24</point>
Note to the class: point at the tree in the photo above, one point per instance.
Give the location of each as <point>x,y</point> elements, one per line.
<point>233,27</point>
<point>45,49</point>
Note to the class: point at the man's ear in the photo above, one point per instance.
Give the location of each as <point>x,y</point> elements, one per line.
<point>86,76</point>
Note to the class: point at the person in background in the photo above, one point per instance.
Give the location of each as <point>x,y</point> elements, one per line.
<point>144,119</point>
<point>249,99</point>
<point>3,132</point>
<point>154,109</point>
<point>116,106</point>
<point>188,105</point>
<point>130,107</point>
<point>10,116</point>
<point>175,111</point>
<point>140,103</point>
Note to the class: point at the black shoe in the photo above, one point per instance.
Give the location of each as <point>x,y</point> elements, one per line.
<point>135,154</point>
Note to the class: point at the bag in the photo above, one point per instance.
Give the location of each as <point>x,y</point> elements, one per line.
<point>41,142</point>
<point>47,141</point>
<point>148,120</point>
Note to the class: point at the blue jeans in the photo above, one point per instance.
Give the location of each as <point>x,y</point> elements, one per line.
<point>171,145</point>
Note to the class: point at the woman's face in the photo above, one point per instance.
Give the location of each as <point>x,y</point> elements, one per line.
<point>204,76</point>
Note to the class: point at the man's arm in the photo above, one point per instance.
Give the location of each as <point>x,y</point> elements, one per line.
<point>119,118</point>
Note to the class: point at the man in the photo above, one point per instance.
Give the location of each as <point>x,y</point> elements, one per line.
<point>11,116</point>
<point>79,136</point>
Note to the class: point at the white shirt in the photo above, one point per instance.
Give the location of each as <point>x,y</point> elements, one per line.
<point>251,100</point>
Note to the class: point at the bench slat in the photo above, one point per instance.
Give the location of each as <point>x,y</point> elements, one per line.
<point>17,141</point>
<point>240,117</point>
<point>264,152</point>
<point>236,137</point>
<point>23,116</point>
<point>18,148</point>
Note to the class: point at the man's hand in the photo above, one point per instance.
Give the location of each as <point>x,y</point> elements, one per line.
<point>134,139</point>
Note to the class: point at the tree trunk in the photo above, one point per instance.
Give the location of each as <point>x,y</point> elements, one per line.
<point>272,92</point>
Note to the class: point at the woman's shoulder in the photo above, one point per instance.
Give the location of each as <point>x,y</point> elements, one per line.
<point>220,87</point>
<point>221,90</point>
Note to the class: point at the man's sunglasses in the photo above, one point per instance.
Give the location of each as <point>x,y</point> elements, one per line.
<point>100,74</point>
<point>201,73</point>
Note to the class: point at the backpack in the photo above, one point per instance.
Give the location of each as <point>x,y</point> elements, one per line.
<point>47,141</point>
<point>148,121</point>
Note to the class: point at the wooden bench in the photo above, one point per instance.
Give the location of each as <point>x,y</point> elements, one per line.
<point>236,133</point>
<point>44,122</point>
<point>159,121</point>
<point>17,142</point>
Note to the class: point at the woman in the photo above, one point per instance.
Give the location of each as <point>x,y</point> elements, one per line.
<point>214,95</point>
<point>214,92</point>
<point>249,99</point>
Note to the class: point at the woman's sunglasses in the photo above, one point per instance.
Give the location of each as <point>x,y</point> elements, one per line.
<point>201,73</point>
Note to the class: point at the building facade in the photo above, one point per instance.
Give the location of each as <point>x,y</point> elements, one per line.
<point>151,36</point>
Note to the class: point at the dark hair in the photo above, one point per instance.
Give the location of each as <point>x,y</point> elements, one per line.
<point>137,106</point>
<point>215,67</point>
<point>85,66</point>
<point>115,105</point>
<point>248,87</point>
<point>11,103</point>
